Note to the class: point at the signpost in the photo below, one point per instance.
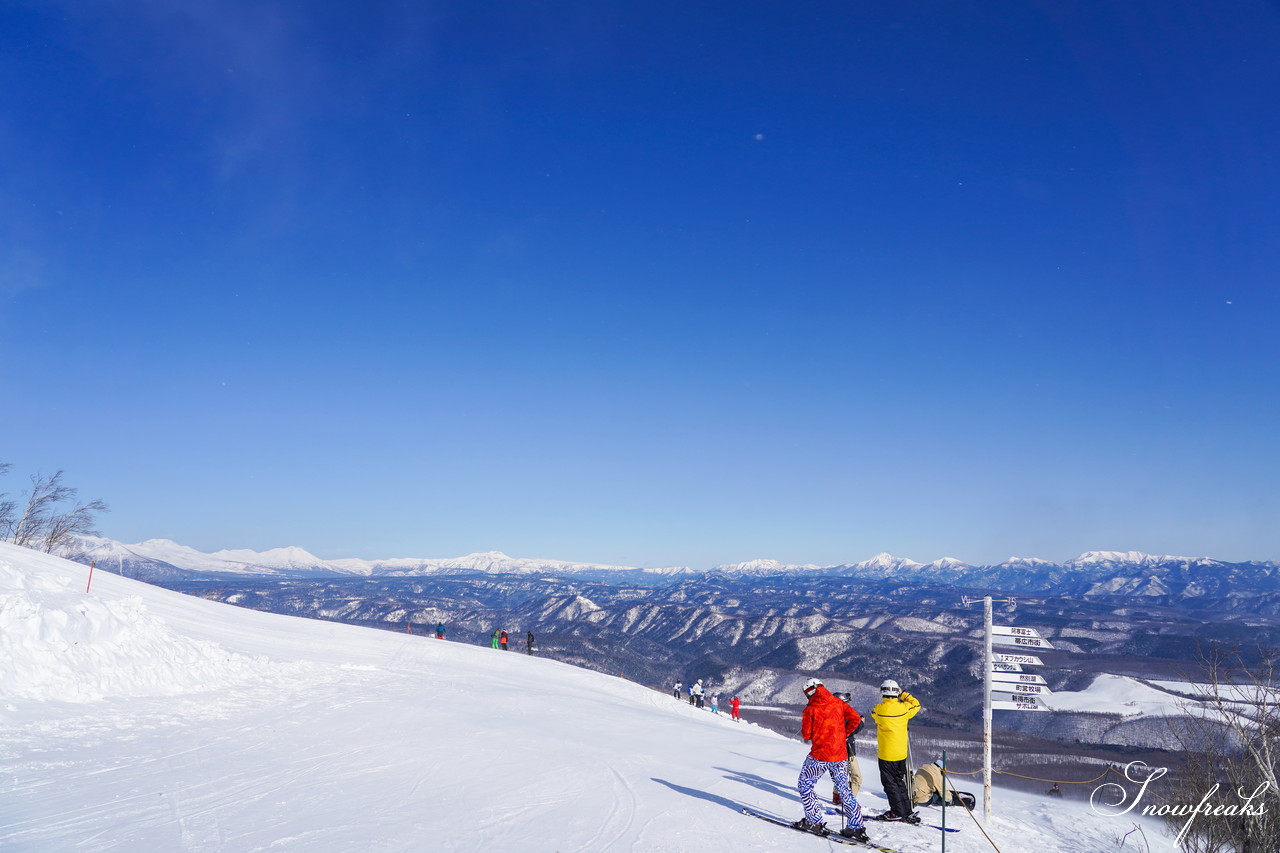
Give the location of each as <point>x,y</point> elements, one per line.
<point>1005,686</point>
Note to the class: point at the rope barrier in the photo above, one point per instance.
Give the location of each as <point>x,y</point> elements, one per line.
<point>1054,781</point>
<point>946,786</point>
<point>1033,778</point>
<point>972,816</point>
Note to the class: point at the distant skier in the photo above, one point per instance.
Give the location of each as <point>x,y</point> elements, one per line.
<point>494,637</point>
<point>895,710</point>
<point>440,631</point>
<point>826,723</point>
<point>676,691</point>
<point>698,693</point>
<point>502,641</point>
<point>1055,791</point>
<point>734,705</point>
<point>693,700</point>
<point>715,703</point>
<point>528,641</point>
<point>850,742</point>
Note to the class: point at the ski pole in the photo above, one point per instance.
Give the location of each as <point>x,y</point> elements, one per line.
<point>945,797</point>
<point>911,770</point>
<point>90,583</point>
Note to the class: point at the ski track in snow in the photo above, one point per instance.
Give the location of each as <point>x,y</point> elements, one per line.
<point>195,726</point>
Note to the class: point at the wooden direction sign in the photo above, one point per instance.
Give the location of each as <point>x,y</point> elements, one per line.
<point>1021,640</point>
<point>1016,678</point>
<point>1030,703</point>
<point>1021,689</point>
<point>1025,660</point>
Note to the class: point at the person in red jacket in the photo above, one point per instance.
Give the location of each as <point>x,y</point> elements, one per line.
<point>733,708</point>
<point>825,724</point>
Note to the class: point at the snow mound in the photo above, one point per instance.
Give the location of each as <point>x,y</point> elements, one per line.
<point>57,643</point>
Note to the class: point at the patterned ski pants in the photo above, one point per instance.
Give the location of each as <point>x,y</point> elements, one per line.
<point>809,775</point>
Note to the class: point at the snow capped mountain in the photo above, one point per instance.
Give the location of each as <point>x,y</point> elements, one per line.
<point>765,567</point>
<point>885,560</point>
<point>1025,563</point>
<point>1132,558</point>
<point>947,564</point>
<point>275,558</point>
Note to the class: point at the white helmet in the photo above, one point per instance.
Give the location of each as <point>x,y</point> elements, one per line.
<point>889,688</point>
<point>811,684</point>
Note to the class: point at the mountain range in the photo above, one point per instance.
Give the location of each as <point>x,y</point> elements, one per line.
<point>1092,574</point>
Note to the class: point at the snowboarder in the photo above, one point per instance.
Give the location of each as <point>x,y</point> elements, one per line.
<point>1055,791</point>
<point>825,724</point>
<point>676,691</point>
<point>855,771</point>
<point>440,631</point>
<point>929,786</point>
<point>493,638</point>
<point>734,705</point>
<point>895,710</point>
<point>502,641</point>
<point>528,641</point>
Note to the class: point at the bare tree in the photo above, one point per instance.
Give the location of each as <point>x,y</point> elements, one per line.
<point>7,507</point>
<point>78,521</point>
<point>44,523</point>
<point>1231,738</point>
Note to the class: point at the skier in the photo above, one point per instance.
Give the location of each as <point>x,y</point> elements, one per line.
<point>528,641</point>
<point>676,692</point>
<point>493,638</point>
<point>826,723</point>
<point>1055,791</point>
<point>693,700</point>
<point>502,641</point>
<point>734,705</point>
<point>440,631</point>
<point>895,710</point>
<point>855,771</point>
<point>699,693</point>
<point>715,703</point>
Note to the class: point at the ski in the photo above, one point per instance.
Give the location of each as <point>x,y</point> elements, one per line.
<point>835,813</point>
<point>834,836</point>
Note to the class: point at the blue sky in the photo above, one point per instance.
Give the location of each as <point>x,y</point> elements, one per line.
<point>647,283</point>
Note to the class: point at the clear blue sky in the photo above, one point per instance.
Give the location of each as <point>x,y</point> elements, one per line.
<point>648,283</point>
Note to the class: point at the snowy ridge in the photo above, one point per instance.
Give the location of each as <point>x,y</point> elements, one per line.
<point>340,738</point>
<point>164,558</point>
<point>1096,573</point>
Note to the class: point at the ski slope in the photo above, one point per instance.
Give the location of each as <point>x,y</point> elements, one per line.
<point>138,719</point>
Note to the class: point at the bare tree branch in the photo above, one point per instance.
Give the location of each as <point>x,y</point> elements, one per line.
<point>43,524</point>
<point>79,521</point>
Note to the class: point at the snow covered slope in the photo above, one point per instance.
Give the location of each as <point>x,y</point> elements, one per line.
<point>137,719</point>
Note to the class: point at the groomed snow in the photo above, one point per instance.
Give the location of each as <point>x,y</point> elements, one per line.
<point>138,719</point>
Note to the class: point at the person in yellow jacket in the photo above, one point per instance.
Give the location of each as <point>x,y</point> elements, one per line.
<point>895,710</point>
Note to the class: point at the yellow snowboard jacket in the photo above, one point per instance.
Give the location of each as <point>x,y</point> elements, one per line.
<point>891,717</point>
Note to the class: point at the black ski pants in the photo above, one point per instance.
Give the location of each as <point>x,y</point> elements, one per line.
<point>893,777</point>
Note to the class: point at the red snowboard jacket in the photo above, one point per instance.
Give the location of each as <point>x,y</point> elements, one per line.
<point>827,721</point>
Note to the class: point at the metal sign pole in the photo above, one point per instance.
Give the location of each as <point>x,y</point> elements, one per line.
<point>986,709</point>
